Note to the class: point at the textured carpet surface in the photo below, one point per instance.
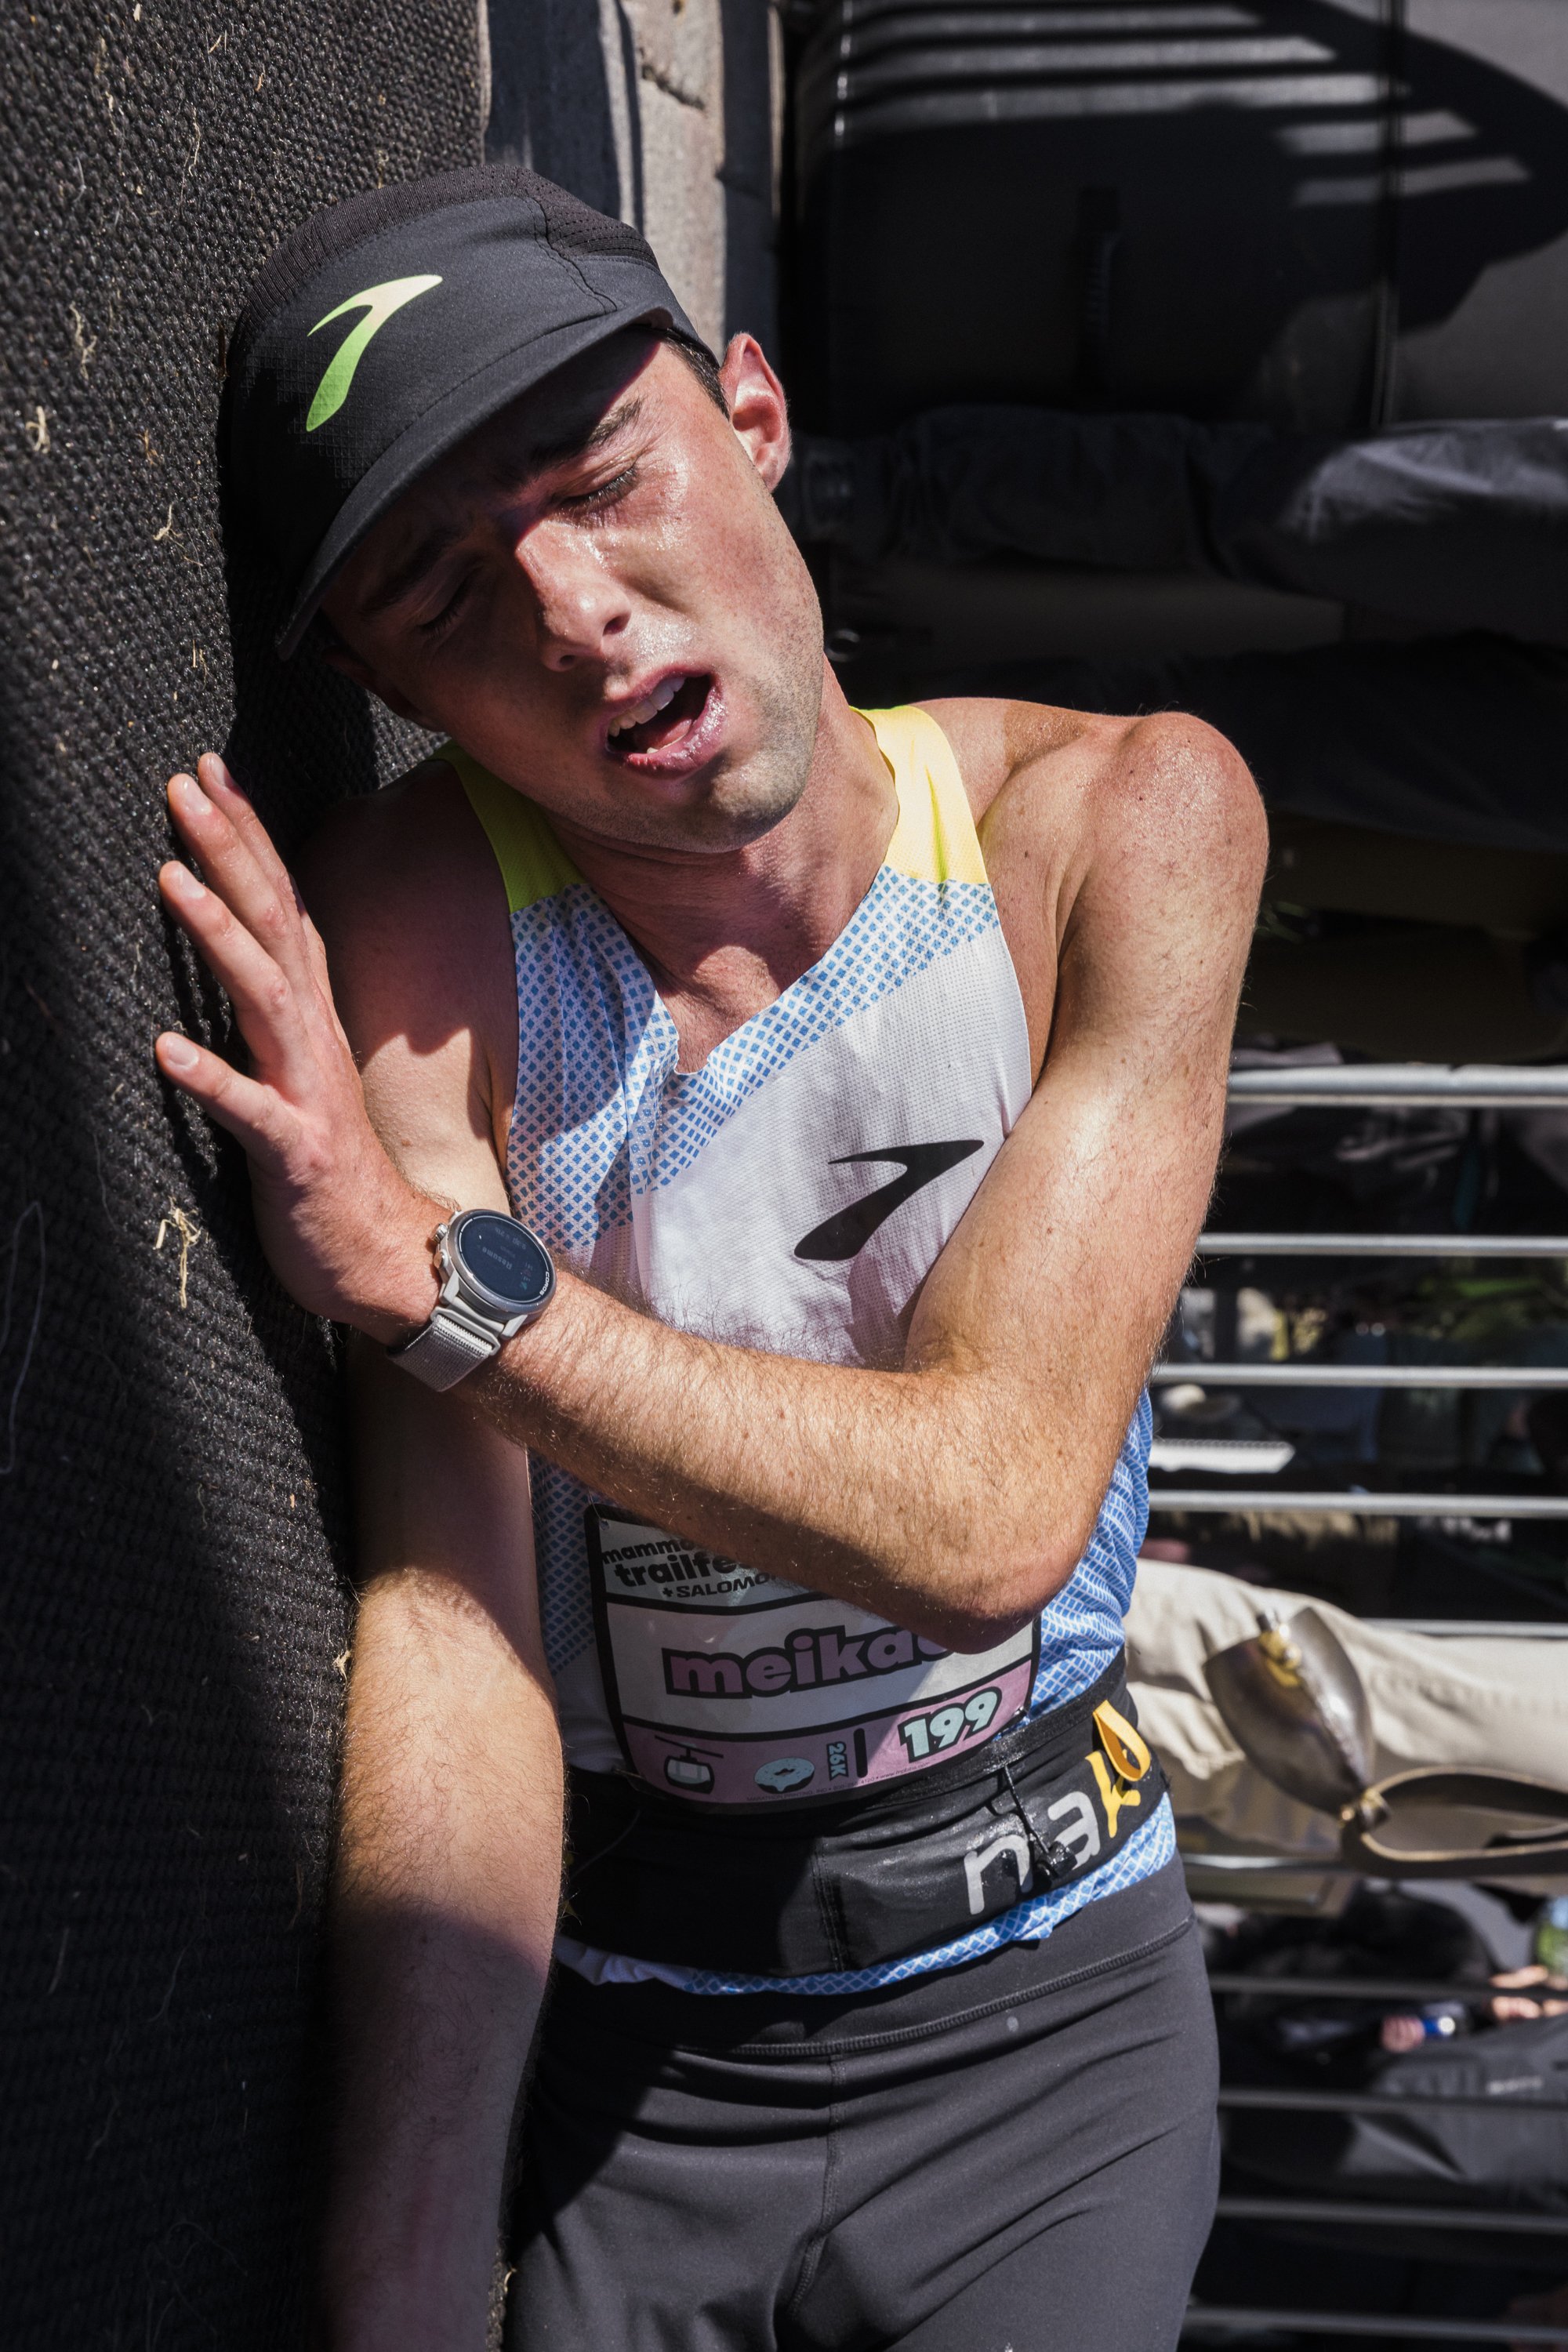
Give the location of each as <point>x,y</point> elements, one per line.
<point>173,1600</point>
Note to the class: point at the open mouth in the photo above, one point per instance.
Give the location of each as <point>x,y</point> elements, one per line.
<point>664,720</point>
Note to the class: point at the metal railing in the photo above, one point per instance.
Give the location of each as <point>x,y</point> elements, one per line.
<point>1503,1246</point>
<point>1205,2320</point>
<point>1398,1086</point>
<point>1469,1629</point>
<point>1417,1989</point>
<point>1382,2103</point>
<point>1360,1500</point>
<point>1340,2212</point>
<point>1271,1374</point>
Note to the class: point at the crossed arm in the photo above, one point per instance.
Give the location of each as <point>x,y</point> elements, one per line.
<point>954,1494</point>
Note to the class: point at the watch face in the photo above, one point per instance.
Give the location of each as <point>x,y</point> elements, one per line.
<point>502,1259</point>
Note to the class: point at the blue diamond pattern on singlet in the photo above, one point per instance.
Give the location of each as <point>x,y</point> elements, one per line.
<point>602,1112</point>
<point>565,1608</point>
<point>1146,1851</point>
<point>1080,1630</point>
<point>592,1047</point>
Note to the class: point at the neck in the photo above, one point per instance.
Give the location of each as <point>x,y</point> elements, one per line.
<point>724,933</point>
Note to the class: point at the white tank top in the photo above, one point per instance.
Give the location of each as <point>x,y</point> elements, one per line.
<point>791,1194</point>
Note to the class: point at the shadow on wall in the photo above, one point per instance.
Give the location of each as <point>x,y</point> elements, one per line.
<point>667,117</point>
<point>1280,212</point>
<point>565,99</point>
<point>334,728</point>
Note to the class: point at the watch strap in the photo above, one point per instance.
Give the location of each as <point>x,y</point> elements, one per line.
<point>448,1348</point>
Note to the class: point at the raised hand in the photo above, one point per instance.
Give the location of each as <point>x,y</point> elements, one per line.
<point>345,1234</point>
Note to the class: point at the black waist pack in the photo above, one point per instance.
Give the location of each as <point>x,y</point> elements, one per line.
<point>820,1888</point>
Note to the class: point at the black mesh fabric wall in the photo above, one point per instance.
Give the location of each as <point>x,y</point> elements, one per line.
<point>173,1607</point>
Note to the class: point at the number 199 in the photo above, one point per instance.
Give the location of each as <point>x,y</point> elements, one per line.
<point>924,1734</point>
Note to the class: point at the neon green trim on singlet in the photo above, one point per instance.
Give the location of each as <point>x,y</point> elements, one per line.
<point>934,839</point>
<point>532,863</point>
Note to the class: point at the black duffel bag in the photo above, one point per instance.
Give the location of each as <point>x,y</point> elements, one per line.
<point>1503,2150</point>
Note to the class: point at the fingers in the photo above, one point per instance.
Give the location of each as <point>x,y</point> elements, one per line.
<point>318,954</point>
<point>265,1001</point>
<point>251,1112</point>
<point>213,775</point>
<point>240,863</point>
<point>242,866</point>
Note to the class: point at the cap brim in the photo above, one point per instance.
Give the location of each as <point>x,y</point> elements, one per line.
<point>442,426</point>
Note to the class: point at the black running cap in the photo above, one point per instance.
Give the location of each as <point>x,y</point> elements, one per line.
<point>388,328</point>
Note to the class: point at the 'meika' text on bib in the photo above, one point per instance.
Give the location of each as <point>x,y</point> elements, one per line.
<point>728,1685</point>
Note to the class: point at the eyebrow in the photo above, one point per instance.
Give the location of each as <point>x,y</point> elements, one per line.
<point>428,550</point>
<point>545,454</point>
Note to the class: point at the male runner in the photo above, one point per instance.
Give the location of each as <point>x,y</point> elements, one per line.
<point>862,1078</point>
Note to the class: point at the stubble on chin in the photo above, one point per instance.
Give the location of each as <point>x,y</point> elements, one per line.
<point>774,780</point>
<point>742,806</point>
<point>746,801</point>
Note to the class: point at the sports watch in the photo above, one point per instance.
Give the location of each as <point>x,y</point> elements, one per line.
<point>496,1278</point>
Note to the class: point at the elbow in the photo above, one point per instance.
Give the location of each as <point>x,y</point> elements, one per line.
<point>988,1598</point>
<point>971,1632</point>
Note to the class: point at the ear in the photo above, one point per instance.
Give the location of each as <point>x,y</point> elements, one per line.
<point>758,410</point>
<point>337,656</point>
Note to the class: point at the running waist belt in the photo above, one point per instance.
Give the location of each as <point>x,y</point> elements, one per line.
<point>804,1888</point>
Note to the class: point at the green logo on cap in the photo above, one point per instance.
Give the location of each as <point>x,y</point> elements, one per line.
<point>378,303</point>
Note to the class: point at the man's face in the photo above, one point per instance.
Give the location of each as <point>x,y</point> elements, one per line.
<point>595,597</point>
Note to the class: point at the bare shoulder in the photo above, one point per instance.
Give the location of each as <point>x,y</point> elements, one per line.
<point>1133,847</point>
<point>1073,793</point>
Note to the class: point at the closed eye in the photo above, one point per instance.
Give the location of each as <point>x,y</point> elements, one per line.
<point>441,621</point>
<point>606,493</point>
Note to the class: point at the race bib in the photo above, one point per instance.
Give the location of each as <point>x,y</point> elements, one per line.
<point>725,1683</point>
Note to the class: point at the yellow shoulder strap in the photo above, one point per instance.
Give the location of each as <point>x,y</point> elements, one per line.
<point>532,863</point>
<point>934,839</point>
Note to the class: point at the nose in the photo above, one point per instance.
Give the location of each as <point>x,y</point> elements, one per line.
<point>581,605</point>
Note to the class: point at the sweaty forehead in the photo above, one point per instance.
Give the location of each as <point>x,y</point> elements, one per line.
<point>561,417</point>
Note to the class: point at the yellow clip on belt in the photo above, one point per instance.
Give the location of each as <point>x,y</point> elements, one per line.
<point>1128,1754</point>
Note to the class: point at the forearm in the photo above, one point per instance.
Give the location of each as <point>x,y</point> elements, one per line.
<point>949,1498</point>
<point>952,1496</point>
<point>444,1912</point>
<point>955,1494</point>
<point>842,1479</point>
